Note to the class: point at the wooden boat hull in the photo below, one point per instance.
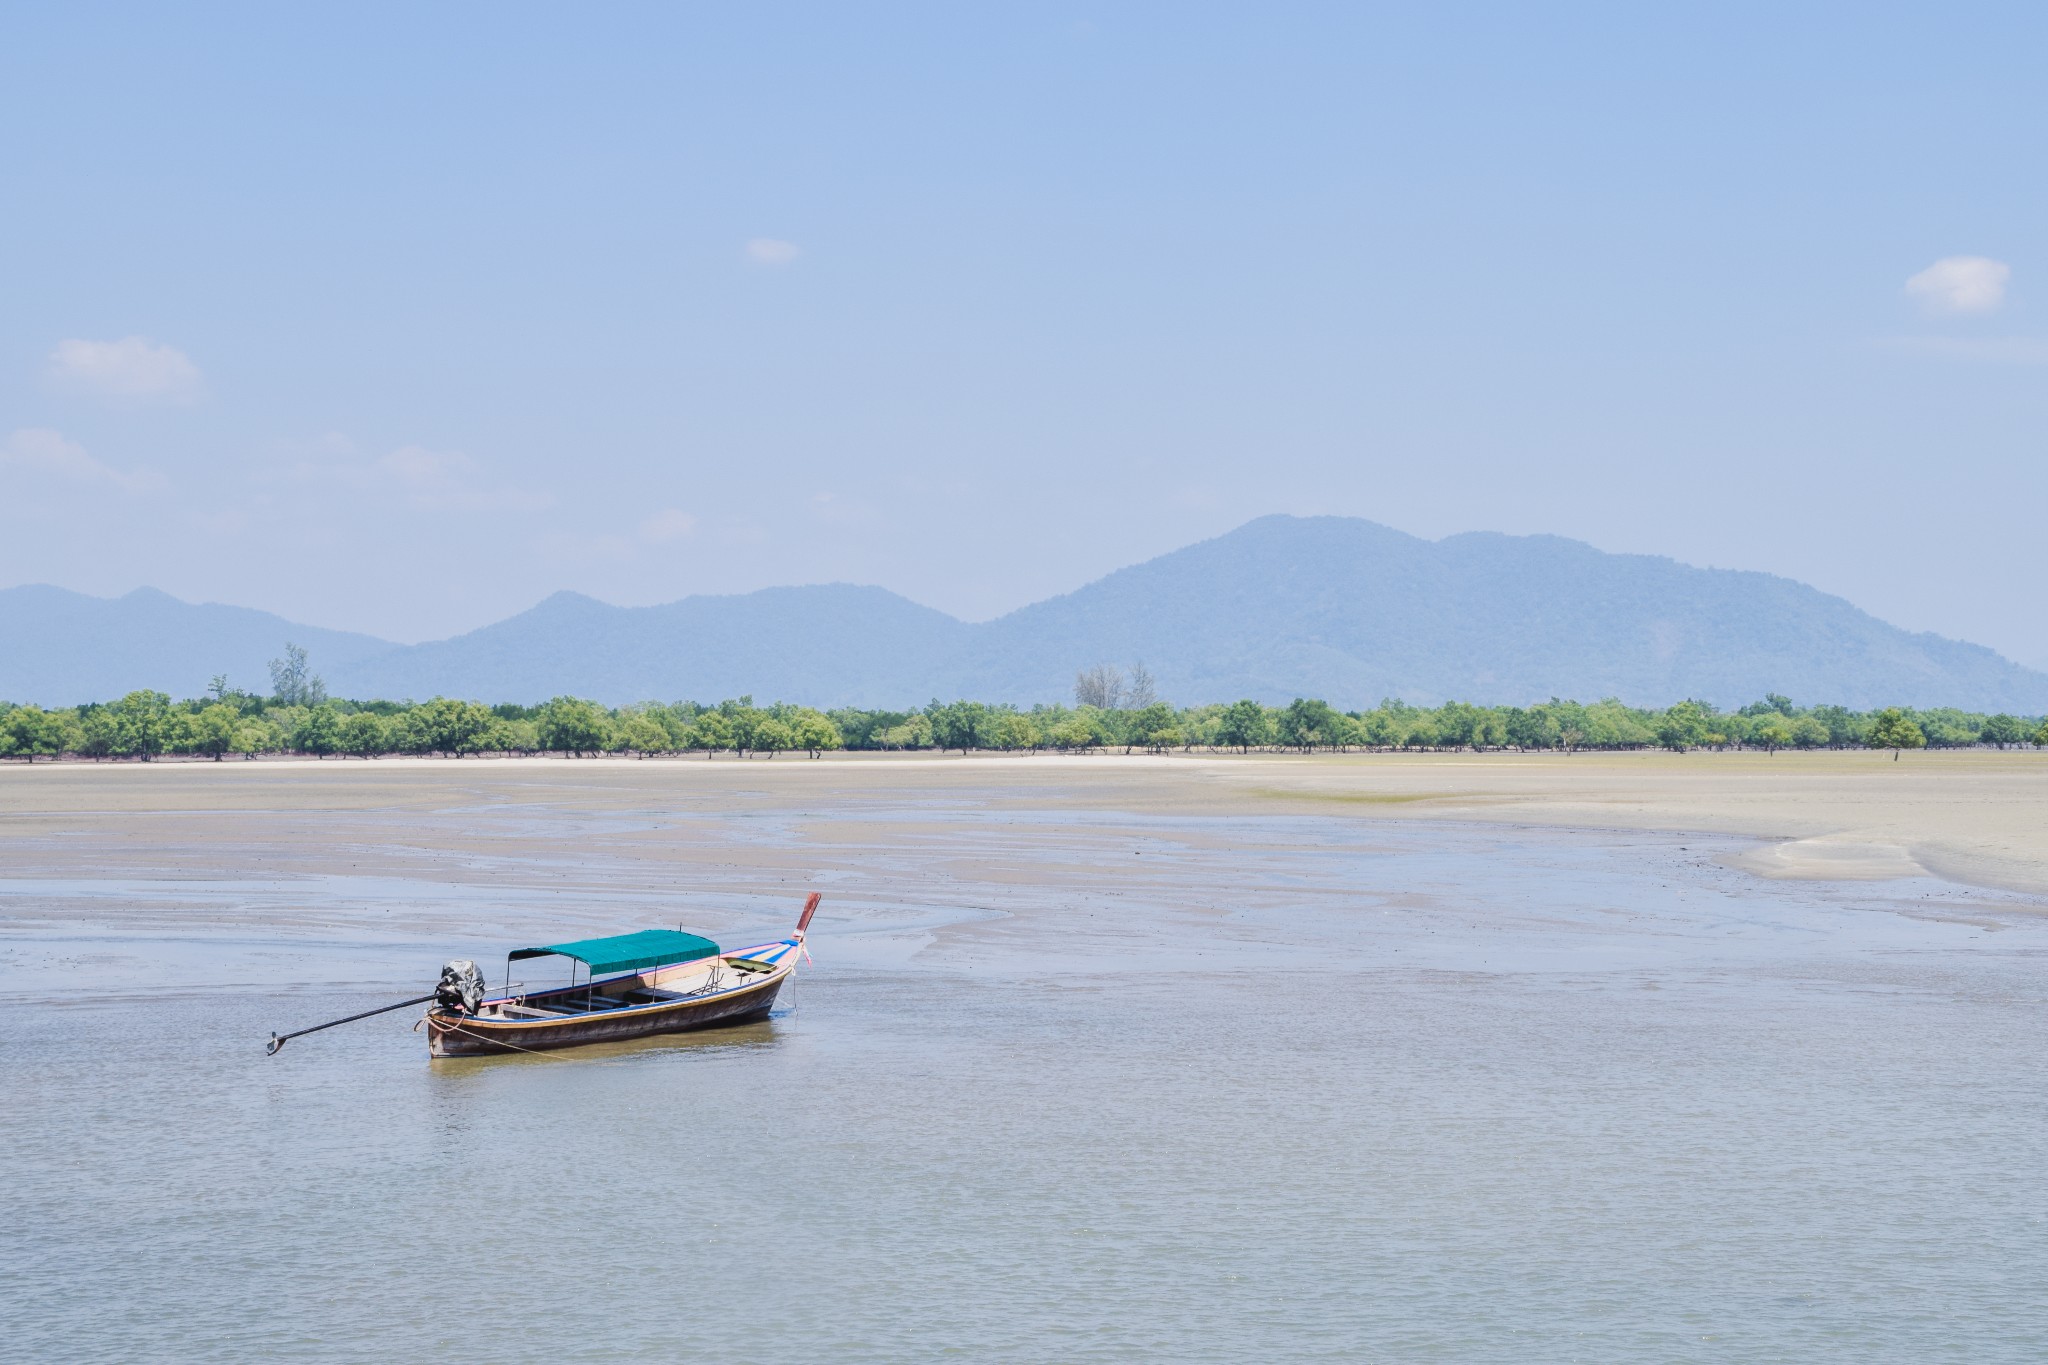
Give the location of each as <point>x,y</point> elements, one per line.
<point>462,1035</point>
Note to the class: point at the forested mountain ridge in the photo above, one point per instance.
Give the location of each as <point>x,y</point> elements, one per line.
<point>1354,611</point>
<point>832,642</point>
<point>59,647</point>
<point>1330,607</point>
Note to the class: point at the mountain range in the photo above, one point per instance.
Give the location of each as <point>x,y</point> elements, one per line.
<point>1335,607</point>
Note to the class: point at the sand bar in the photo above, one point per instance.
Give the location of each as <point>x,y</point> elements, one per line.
<point>1977,817</point>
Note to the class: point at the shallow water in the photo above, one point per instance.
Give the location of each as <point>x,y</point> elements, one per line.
<point>1297,1090</point>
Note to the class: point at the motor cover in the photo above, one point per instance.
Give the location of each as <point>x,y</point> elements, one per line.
<point>462,987</point>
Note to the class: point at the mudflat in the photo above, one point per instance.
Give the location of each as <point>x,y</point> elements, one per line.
<point>1977,817</point>
<point>1973,816</point>
<point>1463,1057</point>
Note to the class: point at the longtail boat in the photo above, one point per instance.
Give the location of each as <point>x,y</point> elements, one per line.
<point>653,981</point>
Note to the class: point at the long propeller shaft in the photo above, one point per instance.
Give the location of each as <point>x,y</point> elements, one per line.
<point>278,1040</point>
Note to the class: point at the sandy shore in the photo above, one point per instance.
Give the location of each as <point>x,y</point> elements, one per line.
<point>1974,817</point>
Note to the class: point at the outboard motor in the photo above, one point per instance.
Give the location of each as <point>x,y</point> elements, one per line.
<point>462,987</point>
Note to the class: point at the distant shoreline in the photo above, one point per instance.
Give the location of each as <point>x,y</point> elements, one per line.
<point>1080,757</point>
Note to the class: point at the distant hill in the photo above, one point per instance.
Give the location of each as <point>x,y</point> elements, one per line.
<point>1344,609</point>
<point>836,644</point>
<point>60,648</point>
<point>1353,611</point>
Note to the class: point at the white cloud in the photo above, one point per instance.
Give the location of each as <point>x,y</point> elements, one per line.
<point>1961,284</point>
<point>131,368</point>
<point>671,523</point>
<point>771,251</point>
<point>39,450</point>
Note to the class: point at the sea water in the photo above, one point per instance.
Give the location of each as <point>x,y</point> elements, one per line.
<point>1171,1089</point>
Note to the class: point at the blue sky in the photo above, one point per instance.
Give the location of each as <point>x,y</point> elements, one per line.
<point>400,318</point>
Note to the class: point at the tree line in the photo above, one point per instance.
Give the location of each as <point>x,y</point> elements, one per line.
<point>300,719</point>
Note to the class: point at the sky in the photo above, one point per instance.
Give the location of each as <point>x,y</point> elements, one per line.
<point>400,318</point>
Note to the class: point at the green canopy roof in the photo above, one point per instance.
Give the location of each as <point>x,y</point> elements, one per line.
<point>629,952</point>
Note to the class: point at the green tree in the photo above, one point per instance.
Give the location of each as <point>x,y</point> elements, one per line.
<point>446,726</point>
<point>711,732</point>
<point>212,731</point>
<point>253,737</point>
<point>1845,728</point>
<point>864,729</point>
<point>914,733</point>
<point>364,734</point>
<point>1071,734</point>
<point>1490,729</point>
<point>99,730</point>
<point>1198,725</point>
<point>676,720</point>
<point>64,735</point>
<point>961,725</point>
<point>772,737</point>
<point>1009,730</point>
<point>1611,725</point>
<point>144,725</point>
<point>1459,724</point>
<point>1378,729</point>
<point>1772,704</point>
<point>1771,732</point>
<point>1154,727</point>
<point>813,732</point>
<point>573,726</point>
<point>1892,729</point>
<point>1068,732</point>
<point>1684,726</point>
<point>27,732</point>
<point>318,734</point>
<point>1529,729</point>
<point>516,736</point>
<point>1808,733</point>
<point>2004,730</point>
<point>1244,725</point>
<point>1306,723</point>
<point>1568,722</point>
<point>638,732</point>
<point>742,718</point>
<point>1944,727</point>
